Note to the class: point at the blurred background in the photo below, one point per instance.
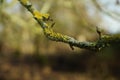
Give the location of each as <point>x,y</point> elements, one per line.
<point>26,54</point>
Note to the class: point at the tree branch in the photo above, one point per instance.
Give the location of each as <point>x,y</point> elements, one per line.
<point>103,42</point>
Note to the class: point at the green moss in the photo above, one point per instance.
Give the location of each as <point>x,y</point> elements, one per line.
<point>24,1</point>
<point>55,36</point>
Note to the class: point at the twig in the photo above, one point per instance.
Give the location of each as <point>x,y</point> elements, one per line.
<point>103,42</point>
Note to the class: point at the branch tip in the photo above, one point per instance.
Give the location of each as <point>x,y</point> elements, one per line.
<point>71,46</point>
<point>52,25</point>
<point>98,31</point>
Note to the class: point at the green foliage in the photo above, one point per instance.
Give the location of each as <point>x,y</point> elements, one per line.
<point>1,1</point>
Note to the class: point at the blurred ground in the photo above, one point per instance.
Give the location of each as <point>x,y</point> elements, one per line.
<point>64,66</point>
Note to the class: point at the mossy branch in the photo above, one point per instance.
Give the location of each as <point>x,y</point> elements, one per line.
<point>103,42</point>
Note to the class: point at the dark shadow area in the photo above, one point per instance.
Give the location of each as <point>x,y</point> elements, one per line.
<point>63,62</point>
<point>74,62</point>
<point>104,63</point>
